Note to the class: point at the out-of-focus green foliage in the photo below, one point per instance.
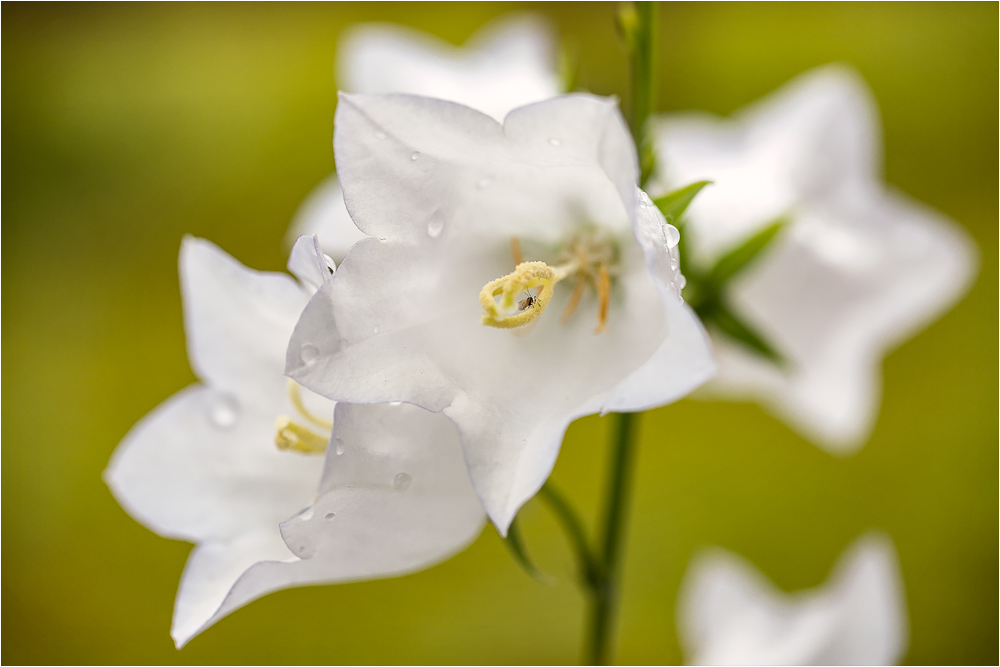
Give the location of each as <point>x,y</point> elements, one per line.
<point>126,126</point>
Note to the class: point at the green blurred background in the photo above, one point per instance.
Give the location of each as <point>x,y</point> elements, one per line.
<point>126,126</point>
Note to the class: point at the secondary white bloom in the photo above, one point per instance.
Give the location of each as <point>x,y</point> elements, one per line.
<point>204,466</point>
<point>508,63</point>
<point>728,613</point>
<point>444,192</point>
<point>860,267</point>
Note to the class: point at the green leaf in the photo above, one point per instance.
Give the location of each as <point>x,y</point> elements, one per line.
<point>732,326</point>
<point>673,204</point>
<point>740,258</point>
<point>587,562</point>
<point>516,546</point>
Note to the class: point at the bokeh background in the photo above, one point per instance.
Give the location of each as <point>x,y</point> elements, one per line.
<point>127,126</point>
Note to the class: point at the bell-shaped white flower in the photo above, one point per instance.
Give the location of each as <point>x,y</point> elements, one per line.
<point>508,63</point>
<point>728,613</point>
<point>206,467</point>
<point>428,309</point>
<point>858,268</point>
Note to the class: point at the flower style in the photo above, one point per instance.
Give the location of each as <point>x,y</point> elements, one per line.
<point>508,63</point>
<point>728,613</point>
<point>429,308</point>
<point>212,466</point>
<point>856,269</point>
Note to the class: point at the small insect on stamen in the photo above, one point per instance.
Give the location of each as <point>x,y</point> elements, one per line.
<point>527,302</point>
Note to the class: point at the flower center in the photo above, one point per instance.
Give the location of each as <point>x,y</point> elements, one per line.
<point>296,437</point>
<point>517,298</point>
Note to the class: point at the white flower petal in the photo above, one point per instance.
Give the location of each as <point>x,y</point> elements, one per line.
<point>212,570</point>
<point>442,189</point>
<point>237,320</point>
<point>507,64</point>
<point>858,269</point>
<point>730,614</point>
<point>395,498</point>
<point>324,214</point>
<point>203,467</point>
<point>309,264</point>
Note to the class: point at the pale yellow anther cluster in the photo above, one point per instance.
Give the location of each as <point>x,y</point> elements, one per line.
<point>504,314</point>
<point>296,437</point>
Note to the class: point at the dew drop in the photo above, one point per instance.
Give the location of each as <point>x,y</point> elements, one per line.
<point>339,446</point>
<point>402,482</point>
<point>374,330</point>
<point>673,263</point>
<point>343,345</point>
<point>671,236</point>
<point>329,515</point>
<point>435,227</point>
<point>380,135</point>
<point>644,199</point>
<point>555,142</point>
<point>395,403</point>
<point>309,353</point>
<point>415,155</point>
<point>681,281</point>
<point>307,515</point>
<point>224,411</point>
<point>483,183</point>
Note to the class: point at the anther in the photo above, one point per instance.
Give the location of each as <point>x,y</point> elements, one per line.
<point>289,435</point>
<point>603,284</point>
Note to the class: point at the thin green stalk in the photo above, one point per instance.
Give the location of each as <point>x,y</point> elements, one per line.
<point>639,25</point>
<point>605,594</point>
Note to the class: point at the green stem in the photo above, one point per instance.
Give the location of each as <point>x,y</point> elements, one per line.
<point>605,593</point>
<point>641,36</point>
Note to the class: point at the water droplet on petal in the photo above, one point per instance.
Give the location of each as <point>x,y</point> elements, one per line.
<point>681,281</point>
<point>435,227</point>
<point>380,135</point>
<point>329,515</point>
<point>644,199</point>
<point>671,236</point>
<point>309,353</point>
<point>673,263</point>
<point>402,482</point>
<point>395,403</point>
<point>374,330</point>
<point>415,155</point>
<point>343,345</point>
<point>555,142</point>
<point>339,446</point>
<point>307,515</point>
<point>483,184</point>
<point>224,410</point>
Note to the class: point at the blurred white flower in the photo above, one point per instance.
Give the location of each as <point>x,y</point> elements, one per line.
<point>728,613</point>
<point>859,268</point>
<point>449,198</point>
<point>508,63</point>
<point>206,467</point>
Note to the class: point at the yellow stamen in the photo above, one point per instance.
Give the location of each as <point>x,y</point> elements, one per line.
<point>289,435</point>
<point>603,284</point>
<point>515,250</point>
<point>295,395</point>
<point>574,299</point>
<point>526,276</point>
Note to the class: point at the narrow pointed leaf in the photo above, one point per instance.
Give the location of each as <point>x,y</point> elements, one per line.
<point>516,546</point>
<point>740,258</point>
<point>734,327</point>
<point>589,569</point>
<point>673,204</point>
